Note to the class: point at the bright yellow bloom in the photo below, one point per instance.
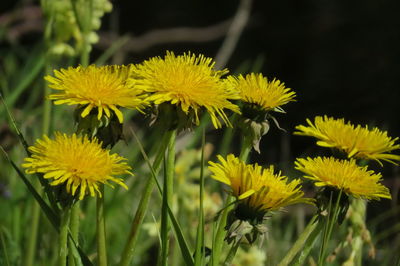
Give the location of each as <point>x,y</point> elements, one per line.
<point>188,81</point>
<point>104,88</point>
<point>76,162</point>
<point>258,90</point>
<point>359,142</point>
<point>261,189</point>
<point>344,175</point>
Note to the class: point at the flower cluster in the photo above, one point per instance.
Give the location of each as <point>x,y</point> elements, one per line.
<point>357,142</point>
<point>178,87</point>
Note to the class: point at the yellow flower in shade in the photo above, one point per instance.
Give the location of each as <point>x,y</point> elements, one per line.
<point>359,142</point>
<point>257,90</point>
<point>344,175</point>
<point>104,88</point>
<point>188,81</point>
<point>260,188</point>
<point>76,162</point>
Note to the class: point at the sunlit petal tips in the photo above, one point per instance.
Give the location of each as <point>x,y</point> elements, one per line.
<point>261,189</point>
<point>76,162</point>
<point>104,88</point>
<point>344,175</point>
<point>359,142</point>
<point>187,81</point>
<point>258,90</point>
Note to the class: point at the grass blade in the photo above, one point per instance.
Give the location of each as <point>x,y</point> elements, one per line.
<point>50,214</point>
<point>186,254</point>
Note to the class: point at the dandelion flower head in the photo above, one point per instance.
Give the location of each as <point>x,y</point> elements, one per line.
<point>257,90</point>
<point>359,142</point>
<point>344,175</point>
<point>104,88</point>
<point>76,162</point>
<point>187,81</point>
<point>260,188</point>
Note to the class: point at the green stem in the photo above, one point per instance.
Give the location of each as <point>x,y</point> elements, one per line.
<point>33,233</point>
<point>101,230</point>
<point>300,242</point>
<point>220,234</point>
<point>309,244</point>
<point>200,247</point>
<point>329,223</point>
<point>129,249</point>
<point>31,248</point>
<point>63,237</point>
<point>232,253</point>
<point>74,226</point>
<point>167,196</point>
<point>247,145</point>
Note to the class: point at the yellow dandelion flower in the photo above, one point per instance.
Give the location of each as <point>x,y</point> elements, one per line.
<point>188,81</point>
<point>344,175</point>
<point>260,188</point>
<point>359,142</point>
<point>104,88</point>
<point>257,90</point>
<point>76,162</point>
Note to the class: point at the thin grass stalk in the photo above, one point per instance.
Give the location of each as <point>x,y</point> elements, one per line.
<point>129,248</point>
<point>3,245</point>
<point>329,223</point>
<point>200,252</point>
<point>63,237</point>
<point>167,198</point>
<point>101,229</point>
<point>232,252</point>
<point>185,249</point>
<point>300,242</point>
<point>311,240</point>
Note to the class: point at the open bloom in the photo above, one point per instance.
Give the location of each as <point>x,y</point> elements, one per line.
<point>76,162</point>
<point>359,142</point>
<point>187,81</point>
<point>257,90</point>
<point>344,175</point>
<point>104,88</point>
<point>261,189</point>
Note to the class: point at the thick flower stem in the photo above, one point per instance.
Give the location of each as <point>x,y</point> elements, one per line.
<point>300,242</point>
<point>129,249</point>
<point>101,230</point>
<point>74,227</point>
<point>167,195</point>
<point>247,145</point>
<point>63,237</point>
